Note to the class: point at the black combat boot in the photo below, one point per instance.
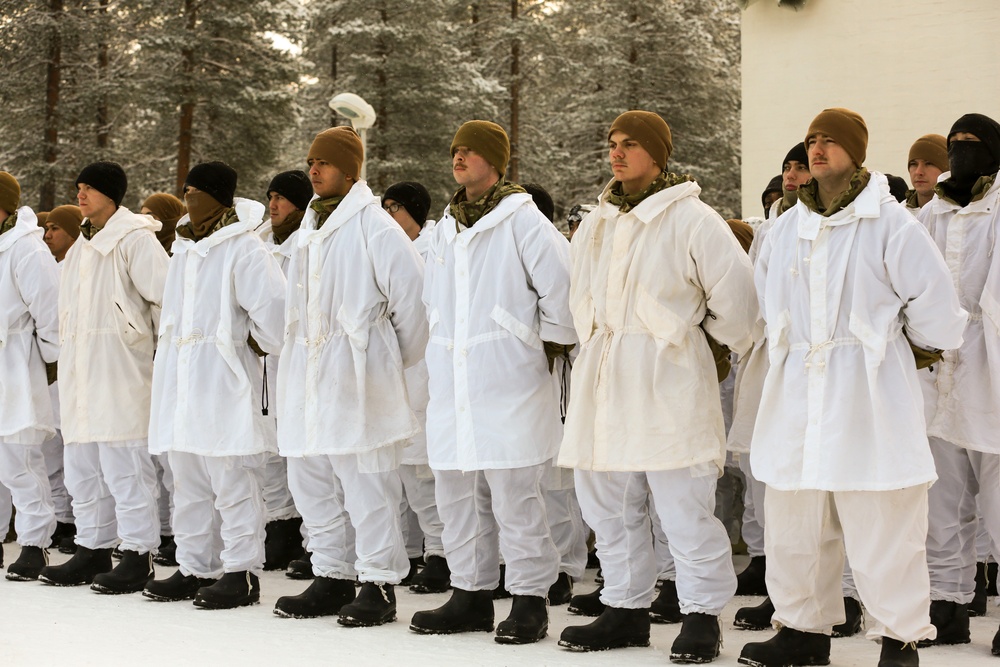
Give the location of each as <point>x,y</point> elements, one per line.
<point>528,621</point>
<point>501,592</point>
<point>28,564</point>
<point>301,568</point>
<point>755,618</point>
<point>167,553</point>
<point>324,597</point>
<point>375,605</point>
<point>666,608</point>
<point>614,628</point>
<point>854,616</point>
<point>587,604</point>
<point>751,580</point>
<point>176,587</point>
<point>979,599</point>
<point>78,570</point>
<point>897,654</point>
<point>465,611</point>
<point>561,592</point>
<point>63,531</point>
<point>700,640</point>
<point>234,589</point>
<point>282,543</point>
<point>131,575</point>
<point>952,622</point>
<point>995,650</point>
<point>788,647</point>
<point>434,578</point>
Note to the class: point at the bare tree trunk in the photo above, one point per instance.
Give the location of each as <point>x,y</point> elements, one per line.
<point>103,114</point>
<point>381,114</point>
<point>187,103</point>
<point>333,81</point>
<point>47,197</point>
<point>515,97</point>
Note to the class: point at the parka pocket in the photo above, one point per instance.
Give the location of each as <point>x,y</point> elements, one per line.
<point>662,322</point>
<point>131,328</point>
<point>872,342</point>
<point>776,333</point>
<point>519,329</point>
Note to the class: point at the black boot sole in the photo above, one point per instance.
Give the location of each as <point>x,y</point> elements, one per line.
<point>209,604</point>
<point>662,619</point>
<point>692,659</point>
<point>166,598</point>
<point>355,622</point>
<point>453,630</point>
<point>817,662</point>
<point>105,590</point>
<point>742,624</point>
<point>522,639</point>
<point>17,576</point>
<point>422,588</point>
<point>626,642</point>
<point>69,584</point>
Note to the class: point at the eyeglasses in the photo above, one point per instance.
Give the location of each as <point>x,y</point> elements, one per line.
<point>393,207</point>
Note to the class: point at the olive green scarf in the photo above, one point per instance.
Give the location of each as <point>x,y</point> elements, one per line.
<point>281,231</point>
<point>626,203</point>
<point>809,194</point>
<point>228,217</point>
<point>468,213</point>
<point>945,190</point>
<point>324,207</point>
<point>9,223</point>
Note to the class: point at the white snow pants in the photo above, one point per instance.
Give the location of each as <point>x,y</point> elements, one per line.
<point>487,513</point>
<point>951,535</point>
<point>52,450</point>
<point>218,513</point>
<point>277,496</point>
<point>6,511</point>
<point>666,570</point>
<point>22,471</point>
<point>165,484</point>
<point>986,551</point>
<point>114,492</point>
<point>615,505</point>
<point>568,531</point>
<point>352,518</point>
<point>806,533</point>
<point>418,492</point>
<point>753,509</point>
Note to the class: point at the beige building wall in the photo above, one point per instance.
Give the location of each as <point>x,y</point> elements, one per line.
<point>909,67</point>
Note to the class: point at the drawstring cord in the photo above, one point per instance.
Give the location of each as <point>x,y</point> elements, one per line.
<point>564,387</point>
<point>264,402</point>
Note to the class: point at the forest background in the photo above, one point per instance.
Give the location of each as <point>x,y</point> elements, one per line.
<point>160,86</point>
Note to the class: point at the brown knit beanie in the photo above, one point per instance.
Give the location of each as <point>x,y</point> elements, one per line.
<point>486,138</point>
<point>10,192</point>
<point>67,218</point>
<point>845,127</point>
<point>42,216</point>
<point>650,130</point>
<point>932,149</point>
<point>341,147</point>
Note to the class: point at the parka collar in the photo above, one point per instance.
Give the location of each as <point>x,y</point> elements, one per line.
<point>506,208</point>
<point>27,223</point>
<point>249,212</point>
<point>653,205</point>
<point>357,198</point>
<point>121,223</point>
<point>867,204</point>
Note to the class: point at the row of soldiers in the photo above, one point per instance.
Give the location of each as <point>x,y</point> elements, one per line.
<point>846,310</point>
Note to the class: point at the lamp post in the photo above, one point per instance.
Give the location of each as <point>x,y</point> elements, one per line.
<point>362,116</point>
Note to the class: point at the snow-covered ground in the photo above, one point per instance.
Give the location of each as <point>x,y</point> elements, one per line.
<point>45,625</point>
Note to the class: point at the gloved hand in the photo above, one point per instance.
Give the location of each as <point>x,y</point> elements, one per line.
<point>51,371</point>
<point>555,350</point>
<point>721,354</point>
<point>923,357</point>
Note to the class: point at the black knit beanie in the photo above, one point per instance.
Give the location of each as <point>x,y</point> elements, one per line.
<point>216,179</point>
<point>542,199</point>
<point>796,154</point>
<point>984,127</point>
<point>414,198</point>
<point>294,186</point>
<point>774,185</point>
<point>108,178</point>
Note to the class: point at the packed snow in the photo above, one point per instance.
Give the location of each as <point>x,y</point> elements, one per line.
<point>45,625</point>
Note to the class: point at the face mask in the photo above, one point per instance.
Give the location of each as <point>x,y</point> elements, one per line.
<point>204,210</point>
<point>969,160</point>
